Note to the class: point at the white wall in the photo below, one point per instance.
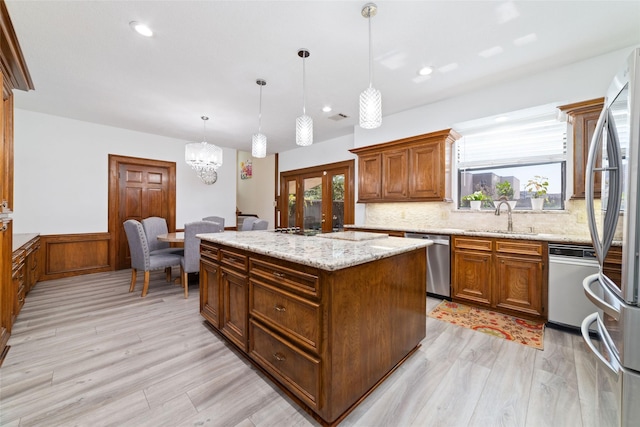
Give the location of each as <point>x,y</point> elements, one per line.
<point>61,175</point>
<point>256,195</point>
<point>329,151</point>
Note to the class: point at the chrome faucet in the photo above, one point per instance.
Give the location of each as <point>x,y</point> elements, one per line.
<point>497,212</point>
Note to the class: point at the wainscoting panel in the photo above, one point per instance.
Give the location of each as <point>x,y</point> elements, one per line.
<point>66,255</point>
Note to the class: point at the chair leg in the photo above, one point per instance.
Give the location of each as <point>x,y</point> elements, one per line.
<point>145,287</point>
<point>167,271</point>
<point>133,280</point>
<point>185,282</point>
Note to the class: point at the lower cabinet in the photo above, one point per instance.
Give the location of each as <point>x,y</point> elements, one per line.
<point>327,338</point>
<point>504,275</point>
<point>18,278</point>
<point>24,273</point>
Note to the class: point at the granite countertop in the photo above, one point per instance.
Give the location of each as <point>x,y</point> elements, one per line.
<point>20,239</point>
<point>331,251</point>
<point>518,234</point>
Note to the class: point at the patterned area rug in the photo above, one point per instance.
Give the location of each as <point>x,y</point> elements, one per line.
<point>499,325</point>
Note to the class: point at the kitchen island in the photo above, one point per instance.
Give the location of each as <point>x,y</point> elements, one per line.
<point>327,318</point>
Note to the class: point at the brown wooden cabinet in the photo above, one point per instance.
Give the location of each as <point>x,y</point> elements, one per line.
<point>14,75</point>
<point>583,117</point>
<point>472,272</point>
<point>506,275</point>
<point>18,279</point>
<point>210,289</point>
<point>410,169</point>
<point>326,338</point>
<point>224,287</point>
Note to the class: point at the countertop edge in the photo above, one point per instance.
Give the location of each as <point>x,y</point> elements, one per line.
<point>546,237</point>
<point>310,259</point>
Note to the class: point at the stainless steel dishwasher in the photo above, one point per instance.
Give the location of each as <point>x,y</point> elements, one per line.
<point>438,264</point>
<point>568,266</point>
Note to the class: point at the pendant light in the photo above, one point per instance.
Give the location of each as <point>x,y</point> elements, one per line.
<point>259,141</point>
<point>304,123</point>
<point>370,98</point>
<point>204,158</point>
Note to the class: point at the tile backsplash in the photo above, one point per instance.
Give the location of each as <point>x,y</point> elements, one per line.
<point>433,215</point>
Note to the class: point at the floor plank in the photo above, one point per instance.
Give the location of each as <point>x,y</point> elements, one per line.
<point>85,351</point>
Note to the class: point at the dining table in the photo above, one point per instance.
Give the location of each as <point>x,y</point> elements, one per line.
<point>175,237</point>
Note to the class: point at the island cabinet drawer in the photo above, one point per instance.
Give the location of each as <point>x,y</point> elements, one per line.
<point>299,280</point>
<point>297,318</point>
<point>475,243</point>
<point>234,260</point>
<point>296,370</point>
<point>520,247</point>
<point>209,252</point>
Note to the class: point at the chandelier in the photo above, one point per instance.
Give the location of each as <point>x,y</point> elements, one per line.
<point>370,98</point>
<point>304,123</point>
<point>259,140</point>
<point>204,158</point>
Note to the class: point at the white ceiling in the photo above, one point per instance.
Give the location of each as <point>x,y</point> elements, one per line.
<point>205,56</point>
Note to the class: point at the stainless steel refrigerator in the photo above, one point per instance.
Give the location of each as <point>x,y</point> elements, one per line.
<point>613,331</point>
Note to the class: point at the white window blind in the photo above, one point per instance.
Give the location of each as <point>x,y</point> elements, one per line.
<point>528,141</point>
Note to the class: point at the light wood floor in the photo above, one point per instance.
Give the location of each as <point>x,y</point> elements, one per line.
<point>86,352</point>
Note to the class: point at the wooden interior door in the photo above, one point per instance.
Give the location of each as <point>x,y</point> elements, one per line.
<point>139,188</point>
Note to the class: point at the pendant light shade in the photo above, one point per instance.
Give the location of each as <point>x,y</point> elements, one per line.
<point>204,158</point>
<point>370,98</point>
<point>259,141</point>
<point>259,145</point>
<point>304,123</point>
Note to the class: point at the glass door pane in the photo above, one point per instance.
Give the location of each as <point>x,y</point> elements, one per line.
<point>337,202</point>
<point>312,206</point>
<point>290,217</point>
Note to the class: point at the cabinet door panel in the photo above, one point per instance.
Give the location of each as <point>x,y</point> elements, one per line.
<point>518,284</point>
<point>472,279</point>
<point>235,291</point>
<point>425,172</point>
<point>210,295</point>
<point>394,170</point>
<point>370,177</point>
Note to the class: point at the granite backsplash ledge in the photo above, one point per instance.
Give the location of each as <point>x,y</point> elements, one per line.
<point>433,215</point>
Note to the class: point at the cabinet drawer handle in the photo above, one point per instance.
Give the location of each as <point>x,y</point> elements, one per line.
<point>280,308</point>
<point>278,275</point>
<point>21,299</point>
<point>279,357</point>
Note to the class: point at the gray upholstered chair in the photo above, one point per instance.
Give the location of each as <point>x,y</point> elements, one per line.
<point>217,219</point>
<point>153,227</point>
<point>190,262</point>
<point>260,224</point>
<point>141,258</point>
<point>247,223</point>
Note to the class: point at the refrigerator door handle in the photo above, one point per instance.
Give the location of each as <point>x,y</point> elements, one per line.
<point>612,364</point>
<point>603,243</point>
<point>597,300</point>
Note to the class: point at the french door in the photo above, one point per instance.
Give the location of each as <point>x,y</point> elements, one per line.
<point>318,199</point>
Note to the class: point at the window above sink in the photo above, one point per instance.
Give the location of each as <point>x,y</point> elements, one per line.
<point>499,155</point>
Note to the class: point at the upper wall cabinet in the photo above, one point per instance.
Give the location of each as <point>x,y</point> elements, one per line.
<point>582,117</point>
<point>414,169</point>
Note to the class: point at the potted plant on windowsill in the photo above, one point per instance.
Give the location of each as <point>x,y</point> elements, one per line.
<point>537,186</point>
<point>505,192</point>
<point>475,199</point>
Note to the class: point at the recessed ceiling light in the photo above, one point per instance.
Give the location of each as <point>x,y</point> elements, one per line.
<point>425,71</point>
<point>141,28</point>
<point>326,109</point>
<point>501,119</point>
